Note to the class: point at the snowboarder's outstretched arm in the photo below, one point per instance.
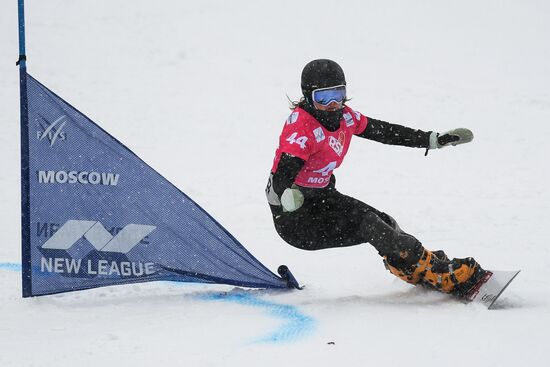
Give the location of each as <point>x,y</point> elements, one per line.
<point>387,133</point>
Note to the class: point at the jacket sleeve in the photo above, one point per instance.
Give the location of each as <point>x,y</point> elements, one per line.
<point>288,168</point>
<point>387,133</point>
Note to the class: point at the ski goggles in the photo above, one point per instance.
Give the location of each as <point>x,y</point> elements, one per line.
<point>325,96</point>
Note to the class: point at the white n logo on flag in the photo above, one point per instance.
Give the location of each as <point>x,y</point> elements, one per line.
<point>98,236</point>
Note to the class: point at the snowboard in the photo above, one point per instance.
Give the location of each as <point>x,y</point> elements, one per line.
<point>491,286</point>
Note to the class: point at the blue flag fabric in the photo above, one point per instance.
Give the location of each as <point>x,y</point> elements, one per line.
<point>99,215</point>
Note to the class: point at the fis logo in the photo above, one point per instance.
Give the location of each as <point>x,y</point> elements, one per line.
<point>73,230</point>
<point>292,118</point>
<point>52,131</point>
<point>319,134</point>
<point>349,119</point>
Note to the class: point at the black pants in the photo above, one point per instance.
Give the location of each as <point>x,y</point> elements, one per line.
<point>330,219</point>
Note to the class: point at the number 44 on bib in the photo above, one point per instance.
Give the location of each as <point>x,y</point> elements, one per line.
<point>301,141</point>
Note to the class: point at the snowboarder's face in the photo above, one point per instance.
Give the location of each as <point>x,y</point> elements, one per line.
<point>332,106</point>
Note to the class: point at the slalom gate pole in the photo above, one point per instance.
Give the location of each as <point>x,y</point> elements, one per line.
<point>21,12</point>
<point>25,195</point>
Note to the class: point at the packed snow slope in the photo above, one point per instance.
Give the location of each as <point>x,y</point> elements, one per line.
<point>198,90</point>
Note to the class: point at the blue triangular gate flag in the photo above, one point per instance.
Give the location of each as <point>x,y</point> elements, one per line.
<point>98,215</point>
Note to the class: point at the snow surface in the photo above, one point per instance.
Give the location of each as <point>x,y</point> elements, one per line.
<point>198,90</point>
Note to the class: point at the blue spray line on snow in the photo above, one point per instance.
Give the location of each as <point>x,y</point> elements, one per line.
<point>10,266</point>
<point>295,326</point>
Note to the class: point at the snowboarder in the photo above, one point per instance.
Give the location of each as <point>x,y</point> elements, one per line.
<point>308,211</point>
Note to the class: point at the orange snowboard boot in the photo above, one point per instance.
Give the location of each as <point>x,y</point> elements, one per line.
<point>435,270</point>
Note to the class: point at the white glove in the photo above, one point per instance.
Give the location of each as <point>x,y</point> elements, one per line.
<point>291,200</point>
<point>452,137</point>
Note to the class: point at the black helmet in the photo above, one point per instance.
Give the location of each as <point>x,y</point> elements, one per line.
<point>321,73</point>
